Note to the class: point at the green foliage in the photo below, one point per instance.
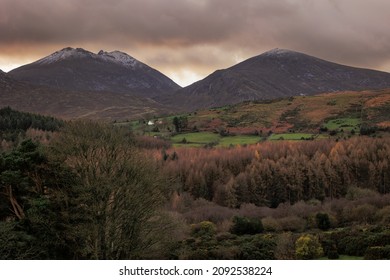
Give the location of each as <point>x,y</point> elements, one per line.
<point>260,247</point>
<point>16,243</point>
<point>31,221</point>
<point>244,225</point>
<point>377,253</point>
<point>333,255</point>
<point>356,242</point>
<point>14,123</point>
<point>248,247</point>
<point>180,123</point>
<point>368,129</point>
<point>204,229</point>
<point>307,247</point>
<point>17,168</point>
<point>323,221</point>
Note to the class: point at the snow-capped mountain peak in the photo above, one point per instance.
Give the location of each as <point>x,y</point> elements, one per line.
<point>76,53</point>
<point>81,70</point>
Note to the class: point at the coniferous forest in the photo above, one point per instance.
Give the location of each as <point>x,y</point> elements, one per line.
<point>90,190</point>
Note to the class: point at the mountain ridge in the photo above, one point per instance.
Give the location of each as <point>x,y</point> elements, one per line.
<point>275,74</point>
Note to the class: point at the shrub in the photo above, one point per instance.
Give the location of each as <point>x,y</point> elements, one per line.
<point>292,223</point>
<point>285,246</point>
<point>307,247</point>
<point>377,253</point>
<point>271,224</point>
<point>203,229</point>
<point>323,221</point>
<point>257,248</point>
<point>243,225</point>
<point>353,245</point>
<point>333,255</point>
<point>383,215</point>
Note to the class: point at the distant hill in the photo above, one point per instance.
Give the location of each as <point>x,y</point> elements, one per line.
<point>81,70</point>
<point>275,74</point>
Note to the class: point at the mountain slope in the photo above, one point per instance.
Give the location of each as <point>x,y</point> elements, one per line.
<point>275,74</point>
<point>75,104</point>
<point>81,70</point>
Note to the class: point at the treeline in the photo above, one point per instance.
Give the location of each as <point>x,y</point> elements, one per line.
<point>269,173</point>
<point>14,123</point>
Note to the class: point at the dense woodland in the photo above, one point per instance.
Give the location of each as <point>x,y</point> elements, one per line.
<point>95,191</point>
<point>270,173</point>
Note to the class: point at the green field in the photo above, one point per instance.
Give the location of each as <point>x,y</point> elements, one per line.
<point>291,136</point>
<point>196,137</point>
<point>238,140</point>
<point>346,124</point>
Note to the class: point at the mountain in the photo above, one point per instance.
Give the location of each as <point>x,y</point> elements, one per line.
<point>81,70</point>
<point>275,74</point>
<point>75,104</point>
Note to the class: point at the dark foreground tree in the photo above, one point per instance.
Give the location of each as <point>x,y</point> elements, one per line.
<point>114,212</point>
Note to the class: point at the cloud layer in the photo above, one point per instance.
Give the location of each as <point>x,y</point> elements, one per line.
<point>191,38</point>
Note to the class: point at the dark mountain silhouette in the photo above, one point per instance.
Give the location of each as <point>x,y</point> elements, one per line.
<point>275,74</point>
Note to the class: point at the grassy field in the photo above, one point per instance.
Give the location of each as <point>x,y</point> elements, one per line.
<point>238,140</point>
<point>347,124</point>
<point>196,137</point>
<point>291,136</point>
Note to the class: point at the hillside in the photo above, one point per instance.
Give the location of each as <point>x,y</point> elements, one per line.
<point>334,115</point>
<point>276,74</point>
<point>75,104</point>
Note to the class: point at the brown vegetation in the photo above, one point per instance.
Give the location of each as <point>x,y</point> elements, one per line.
<point>268,174</point>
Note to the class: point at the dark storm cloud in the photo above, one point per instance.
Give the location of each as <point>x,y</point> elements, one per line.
<point>203,33</point>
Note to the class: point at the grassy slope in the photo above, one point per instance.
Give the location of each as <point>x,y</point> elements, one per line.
<point>288,119</point>
<point>304,112</point>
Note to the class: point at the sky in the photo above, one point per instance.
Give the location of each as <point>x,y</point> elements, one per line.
<point>189,39</point>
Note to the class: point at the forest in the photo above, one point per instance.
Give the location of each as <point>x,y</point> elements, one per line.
<point>91,190</point>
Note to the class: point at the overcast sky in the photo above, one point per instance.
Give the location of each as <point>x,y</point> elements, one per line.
<point>189,39</point>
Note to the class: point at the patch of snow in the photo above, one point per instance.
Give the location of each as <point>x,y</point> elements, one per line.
<point>278,52</point>
<point>64,54</point>
<point>119,57</point>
